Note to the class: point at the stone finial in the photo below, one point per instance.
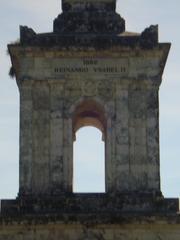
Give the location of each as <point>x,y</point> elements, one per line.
<point>71,5</point>
<point>89,16</point>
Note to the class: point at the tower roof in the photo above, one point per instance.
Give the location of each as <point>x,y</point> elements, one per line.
<point>89,23</point>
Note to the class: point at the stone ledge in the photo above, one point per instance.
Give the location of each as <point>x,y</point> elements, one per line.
<point>90,219</point>
<point>84,204</point>
<point>148,39</point>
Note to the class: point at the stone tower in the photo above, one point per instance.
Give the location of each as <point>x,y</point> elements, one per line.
<point>89,72</point>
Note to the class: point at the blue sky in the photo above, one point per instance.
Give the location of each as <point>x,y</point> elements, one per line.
<point>139,14</point>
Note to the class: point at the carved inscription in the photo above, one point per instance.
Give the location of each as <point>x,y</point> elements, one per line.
<point>91,65</point>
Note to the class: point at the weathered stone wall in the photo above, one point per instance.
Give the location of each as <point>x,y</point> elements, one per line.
<point>57,231</point>
<point>123,82</point>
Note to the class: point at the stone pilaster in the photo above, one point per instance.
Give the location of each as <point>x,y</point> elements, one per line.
<point>122,139</point>
<point>56,138</point>
<point>26,139</point>
<point>137,137</point>
<point>152,122</point>
<point>41,139</point>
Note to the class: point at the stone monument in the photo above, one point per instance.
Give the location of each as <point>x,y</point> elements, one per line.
<point>89,72</point>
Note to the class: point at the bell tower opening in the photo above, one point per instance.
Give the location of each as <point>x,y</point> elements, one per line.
<point>89,132</point>
<point>89,161</point>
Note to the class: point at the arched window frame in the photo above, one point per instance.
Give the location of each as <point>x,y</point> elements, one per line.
<point>72,126</point>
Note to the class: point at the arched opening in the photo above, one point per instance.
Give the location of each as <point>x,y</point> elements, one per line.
<point>89,132</point>
<point>89,161</point>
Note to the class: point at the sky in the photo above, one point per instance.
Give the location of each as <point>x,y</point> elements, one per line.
<point>139,14</point>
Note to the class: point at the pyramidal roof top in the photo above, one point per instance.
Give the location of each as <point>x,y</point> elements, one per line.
<point>89,23</point>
